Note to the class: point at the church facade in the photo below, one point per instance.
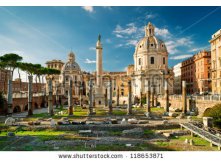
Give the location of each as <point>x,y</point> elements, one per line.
<point>150,63</point>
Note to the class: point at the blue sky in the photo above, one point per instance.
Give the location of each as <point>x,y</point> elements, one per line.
<point>40,34</point>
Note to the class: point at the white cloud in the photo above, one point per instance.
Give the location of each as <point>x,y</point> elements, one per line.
<point>119,36</point>
<point>88,61</point>
<point>132,42</point>
<point>181,57</point>
<point>150,16</point>
<point>89,9</point>
<point>128,30</point>
<point>163,32</point>
<point>92,48</point>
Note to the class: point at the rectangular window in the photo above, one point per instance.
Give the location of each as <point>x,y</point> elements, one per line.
<point>151,60</point>
<point>164,60</point>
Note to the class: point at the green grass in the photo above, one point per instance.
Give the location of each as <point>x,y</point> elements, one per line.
<point>198,141</point>
<point>36,133</point>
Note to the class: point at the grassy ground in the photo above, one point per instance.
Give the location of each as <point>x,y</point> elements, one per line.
<point>178,144</point>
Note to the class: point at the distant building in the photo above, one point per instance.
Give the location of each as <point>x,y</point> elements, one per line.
<point>216,62</point>
<point>187,74</point>
<point>202,61</point>
<point>177,79</point>
<point>196,72</point>
<point>4,74</point>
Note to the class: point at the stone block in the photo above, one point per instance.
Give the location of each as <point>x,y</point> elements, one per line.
<point>136,132</point>
<point>173,114</point>
<point>132,121</point>
<point>167,134</point>
<point>9,121</point>
<point>143,122</point>
<point>208,122</point>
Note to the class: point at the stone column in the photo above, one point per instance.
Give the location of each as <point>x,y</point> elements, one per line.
<point>70,98</point>
<point>148,96</point>
<point>110,98</point>
<point>118,96</point>
<point>166,97</point>
<point>129,104</point>
<point>30,109</point>
<point>152,95</point>
<point>50,98</point>
<point>56,95</point>
<point>184,97</point>
<point>141,105</point>
<point>105,96</point>
<point>90,98</point>
<point>9,93</point>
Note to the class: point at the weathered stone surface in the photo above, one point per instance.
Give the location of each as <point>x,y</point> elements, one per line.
<point>189,118</point>
<point>172,114</point>
<point>180,132</point>
<point>192,114</point>
<point>124,122</point>
<point>165,122</point>
<point>84,132</point>
<point>34,123</point>
<point>133,132</point>
<point>78,122</point>
<point>143,122</point>
<point>63,123</point>
<point>147,114</point>
<point>132,121</point>
<point>167,134</point>
<point>114,121</point>
<point>166,114</point>
<point>9,121</point>
<point>52,123</point>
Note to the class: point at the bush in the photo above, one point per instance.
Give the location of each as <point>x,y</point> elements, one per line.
<point>217,123</point>
<point>3,103</point>
<point>214,112</point>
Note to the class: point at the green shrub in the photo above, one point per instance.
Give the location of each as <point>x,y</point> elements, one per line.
<point>214,112</point>
<point>217,123</point>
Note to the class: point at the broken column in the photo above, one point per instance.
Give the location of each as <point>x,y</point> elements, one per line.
<point>70,98</point>
<point>30,109</point>
<point>148,97</point>
<point>90,98</point>
<point>152,95</point>
<point>110,98</point>
<point>166,97</point>
<point>50,100</point>
<point>105,98</point>
<point>118,96</point>
<point>141,105</point>
<point>30,80</point>
<point>184,97</point>
<point>9,98</point>
<point>129,104</point>
<point>56,95</point>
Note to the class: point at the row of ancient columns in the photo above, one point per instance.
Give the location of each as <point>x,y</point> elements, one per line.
<point>148,97</point>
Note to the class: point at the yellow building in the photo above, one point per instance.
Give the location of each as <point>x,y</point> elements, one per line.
<point>216,62</point>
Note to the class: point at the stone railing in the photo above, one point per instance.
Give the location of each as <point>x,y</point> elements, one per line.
<point>195,97</point>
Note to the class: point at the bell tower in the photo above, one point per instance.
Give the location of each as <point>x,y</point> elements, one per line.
<point>149,30</point>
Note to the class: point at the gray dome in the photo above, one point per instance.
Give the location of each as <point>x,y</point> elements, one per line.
<point>71,64</point>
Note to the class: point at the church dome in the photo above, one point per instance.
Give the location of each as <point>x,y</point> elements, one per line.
<point>71,64</point>
<point>150,42</point>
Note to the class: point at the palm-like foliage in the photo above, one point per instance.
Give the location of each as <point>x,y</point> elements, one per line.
<point>10,61</point>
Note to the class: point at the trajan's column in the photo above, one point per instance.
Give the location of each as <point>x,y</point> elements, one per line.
<point>99,94</point>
